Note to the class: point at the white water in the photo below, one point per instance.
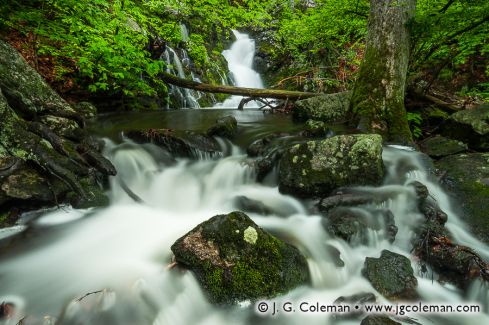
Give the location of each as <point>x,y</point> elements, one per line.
<point>125,248</point>
<point>240,64</point>
<point>187,97</point>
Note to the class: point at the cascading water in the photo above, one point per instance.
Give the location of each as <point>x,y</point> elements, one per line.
<point>120,254</point>
<point>240,64</point>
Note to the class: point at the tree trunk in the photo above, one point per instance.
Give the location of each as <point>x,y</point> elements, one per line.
<point>240,91</point>
<point>378,95</point>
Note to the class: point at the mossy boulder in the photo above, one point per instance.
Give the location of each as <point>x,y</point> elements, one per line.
<point>86,109</point>
<point>24,88</point>
<point>315,128</point>
<point>315,168</point>
<point>466,177</point>
<point>235,260</point>
<point>470,126</point>
<point>391,275</point>
<point>438,147</point>
<point>328,108</point>
<point>226,127</point>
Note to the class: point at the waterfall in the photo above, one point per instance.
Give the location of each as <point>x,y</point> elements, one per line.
<point>240,64</point>
<point>123,249</point>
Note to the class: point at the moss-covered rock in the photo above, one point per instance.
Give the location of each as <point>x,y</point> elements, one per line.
<point>24,88</point>
<point>86,109</point>
<point>235,260</point>
<point>329,108</point>
<point>439,146</point>
<point>466,177</point>
<point>315,128</point>
<point>470,126</point>
<point>316,168</point>
<point>391,275</point>
<point>226,127</point>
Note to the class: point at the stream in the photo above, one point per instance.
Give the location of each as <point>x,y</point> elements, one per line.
<point>112,265</point>
<point>58,256</point>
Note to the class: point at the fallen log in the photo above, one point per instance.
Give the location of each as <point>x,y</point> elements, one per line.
<point>240,91</point>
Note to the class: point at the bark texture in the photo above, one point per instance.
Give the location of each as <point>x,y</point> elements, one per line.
<point>378,96</point>
<point>241,91</point>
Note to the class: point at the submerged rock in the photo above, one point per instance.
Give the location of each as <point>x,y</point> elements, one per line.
<point>236,260</point>
<point>329,108</point>
<point>317,167</point>
<point>466,176</point>
<point>439,146</point>
<point>470,126</point>
<point>391,275</point>
<point>249,205</point>
<point>226,127</point>
<point>352,225</point>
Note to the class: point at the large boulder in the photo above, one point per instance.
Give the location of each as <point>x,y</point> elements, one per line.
<point>470,126</point>
<point>236,260</point>
<point>466,177</point>
<point>316,168</point>
<point>391,275</point>
<point>328,108</point>
<point>24,88</point>
<point>438,147</point>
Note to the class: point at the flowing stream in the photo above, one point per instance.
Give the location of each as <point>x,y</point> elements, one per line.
<point>240,64</point>
<point>122,252</point>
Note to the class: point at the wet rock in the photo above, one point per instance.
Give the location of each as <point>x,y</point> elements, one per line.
<point>343,200</point>
<point>355,300</point>
<point>470,126</point>
<point>378,320</point>
<point>335,255</point>
<point>235,260</point>
<point>186,144</point>
<point>391,275</point>
<point>226,127</point>
<point>421,191</point>
<point>438,147</point>
<point>86,109</point>
<point>465,177</point>
<point>329,108</point>
<point>315,128</point>
<point>7,310</point>
<point>317,167</point>
<point>261,146</point>
<point>254,206</point>
<point>352,225</point>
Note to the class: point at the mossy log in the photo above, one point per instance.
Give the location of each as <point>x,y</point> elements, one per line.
<point>240,91</point>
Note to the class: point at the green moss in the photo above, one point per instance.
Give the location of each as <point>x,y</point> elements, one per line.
<point>231,268</point>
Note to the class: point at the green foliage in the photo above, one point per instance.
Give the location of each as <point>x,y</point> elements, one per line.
<point>415,119</point>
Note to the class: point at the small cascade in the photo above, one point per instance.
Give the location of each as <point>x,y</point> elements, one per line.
<point>240,64</point>
<point>187,98</point>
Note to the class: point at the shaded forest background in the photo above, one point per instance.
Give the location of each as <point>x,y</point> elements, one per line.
<point>112,49</point>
